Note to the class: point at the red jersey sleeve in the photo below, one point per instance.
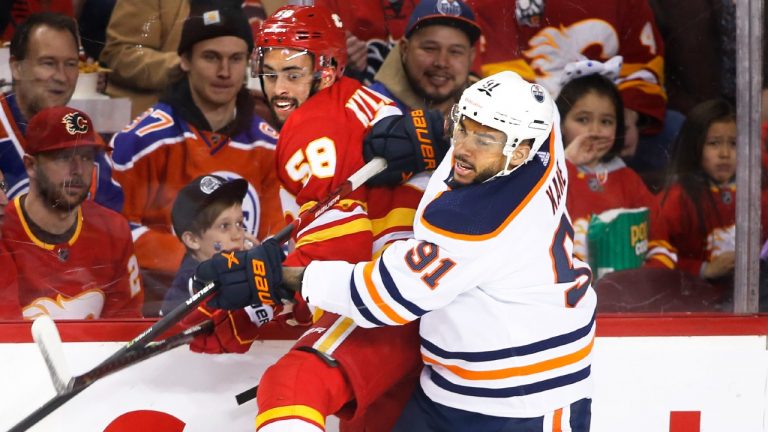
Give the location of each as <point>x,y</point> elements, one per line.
<point>126,296</point>
<point>10,309</point>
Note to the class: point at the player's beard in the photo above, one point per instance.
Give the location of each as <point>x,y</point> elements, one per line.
<point>54,195</point>
<point>482,176</point>
<point>295,102</point>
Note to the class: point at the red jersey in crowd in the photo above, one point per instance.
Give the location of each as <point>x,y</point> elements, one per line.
<point>613,185</point>
<point>92,274</point>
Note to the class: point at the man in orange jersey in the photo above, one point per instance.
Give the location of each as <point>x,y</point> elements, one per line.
<point>204,124</point>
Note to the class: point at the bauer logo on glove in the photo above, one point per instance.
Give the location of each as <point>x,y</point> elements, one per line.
<point>410,143</point>
<point>251,277</point>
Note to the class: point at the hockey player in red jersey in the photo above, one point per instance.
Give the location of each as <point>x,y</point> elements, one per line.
<point>336,367</point>
<point>86,250</point>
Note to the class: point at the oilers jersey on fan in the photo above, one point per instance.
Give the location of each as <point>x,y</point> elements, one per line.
<point>160,152</point>
<point>507,312</point>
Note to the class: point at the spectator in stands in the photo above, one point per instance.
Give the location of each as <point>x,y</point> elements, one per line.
<point>92,20</point>
<point>142,38</point>
<point>373,28</point>
<point>699,201</point>
<point>86,250</point>
<point>592,116</point>
<point>538,38</point>
<point>431,68</point>
<point>44,65</point>
<point>208,218</point>
<point>204,123</point>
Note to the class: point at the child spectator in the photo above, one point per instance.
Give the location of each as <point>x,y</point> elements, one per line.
<point>699,201</point>
<point>592,119</point>
<point>208,218</point>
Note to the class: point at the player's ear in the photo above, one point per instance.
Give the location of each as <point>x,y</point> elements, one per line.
<point>190,240</point>
<point>327,77</point>
<point>520,154</point>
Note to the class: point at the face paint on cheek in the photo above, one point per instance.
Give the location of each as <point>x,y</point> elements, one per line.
<point>217,246</point>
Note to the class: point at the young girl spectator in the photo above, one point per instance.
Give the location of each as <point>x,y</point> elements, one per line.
<point>592,120</point>
<point>699,201</point>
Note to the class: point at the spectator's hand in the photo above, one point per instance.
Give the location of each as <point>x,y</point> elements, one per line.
<point>250,277</point>
<point>719,265</point>
<point>233,331</point>
<point>587,148</point>
<point>410,143</point>
<point>357,53</point>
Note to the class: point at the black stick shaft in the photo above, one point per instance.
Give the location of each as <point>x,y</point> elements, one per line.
<point>82,382</point>
<point>370,169</point>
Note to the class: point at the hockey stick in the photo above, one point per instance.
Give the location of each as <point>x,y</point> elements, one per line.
<point>67,386</point>
<point>375,166</point>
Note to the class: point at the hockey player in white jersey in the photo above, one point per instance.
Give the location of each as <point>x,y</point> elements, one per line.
<point>507,312</point>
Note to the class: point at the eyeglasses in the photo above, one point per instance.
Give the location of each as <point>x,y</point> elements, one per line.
<point>4,186</point>
<point>459,132</point>
<point>292,76</point>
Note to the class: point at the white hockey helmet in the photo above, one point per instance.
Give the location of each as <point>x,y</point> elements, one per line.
<point>506,102</point>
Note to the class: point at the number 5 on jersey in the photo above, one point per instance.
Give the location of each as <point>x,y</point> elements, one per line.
<point>420,258</point>
<point>317,159</point>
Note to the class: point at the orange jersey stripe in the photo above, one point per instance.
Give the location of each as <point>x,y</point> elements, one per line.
<point>517,371</point>
<point>374,293</point>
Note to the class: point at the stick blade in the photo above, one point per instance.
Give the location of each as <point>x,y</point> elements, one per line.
<point>48,341</point>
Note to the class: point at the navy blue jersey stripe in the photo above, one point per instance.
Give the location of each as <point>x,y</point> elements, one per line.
<point>361,307</point>
<point>480,209</point>
<point>506,392</point>
<point>504,353</point>
<point>389,284</point>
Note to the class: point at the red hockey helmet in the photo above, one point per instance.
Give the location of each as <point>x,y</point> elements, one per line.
<point>311,28</point>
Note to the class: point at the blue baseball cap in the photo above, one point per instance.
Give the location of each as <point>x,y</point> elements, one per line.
<point>454,13</point>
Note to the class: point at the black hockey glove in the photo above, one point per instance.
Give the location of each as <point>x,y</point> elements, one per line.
<point>411,143</point>
<point>250,277</point>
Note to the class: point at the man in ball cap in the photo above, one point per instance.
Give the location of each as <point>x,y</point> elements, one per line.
<point>203,124</point>
<point>86,249</point>
<point>431,64</point>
